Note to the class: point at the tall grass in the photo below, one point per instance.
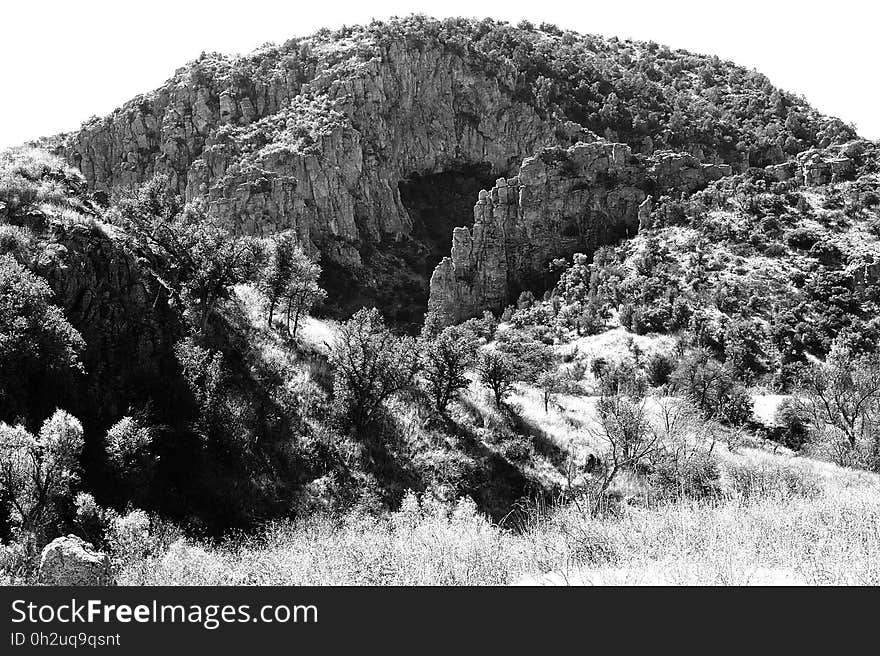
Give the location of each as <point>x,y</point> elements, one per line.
<point>729,542</point>
<point>424,543</point>
<point>832,538</point>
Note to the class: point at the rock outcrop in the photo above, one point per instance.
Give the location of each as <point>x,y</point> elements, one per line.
<point>822,166</point>
<point>562,202</point>
<point>70,560</point>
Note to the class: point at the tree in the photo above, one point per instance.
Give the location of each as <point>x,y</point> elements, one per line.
<point>446,359</point>
<point>659,368</point>
<point>210,260</point>
<point>744,349</point>
<point>624,426</point>
<point>303,291</point>
<point>290,279</point>
<point>552,383</point>
<point>37,473</point>
<point>192,254</point>
<point>622,378</point>
<point>843,395</point>
<point>531,356</point>
<point>276,276</point>
<point>516,358</point>
<point>498,371</point>
<point>39,349</point>
<point>711,387</point>
<point>370,365</point>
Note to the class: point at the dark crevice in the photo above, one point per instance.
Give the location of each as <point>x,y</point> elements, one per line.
<point>396,275</point>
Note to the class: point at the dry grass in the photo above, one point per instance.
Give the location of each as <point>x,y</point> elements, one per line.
<point>422,544</point>
<point>832,540</point>
<point>826,536</point>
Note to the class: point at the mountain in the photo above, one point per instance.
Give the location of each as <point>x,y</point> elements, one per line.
<point>372,142</point>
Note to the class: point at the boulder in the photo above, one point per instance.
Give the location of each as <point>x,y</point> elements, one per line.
<point>70,560</point>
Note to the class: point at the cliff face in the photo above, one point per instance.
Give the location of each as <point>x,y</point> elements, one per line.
<point>128,328</point>
<point>338,144</point>
<point>562,202</point>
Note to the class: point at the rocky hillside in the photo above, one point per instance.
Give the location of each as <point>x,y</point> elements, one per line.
<point>149,267</point>
<point>767,268</point>
<point>561,202</point>
<point>372,143</point>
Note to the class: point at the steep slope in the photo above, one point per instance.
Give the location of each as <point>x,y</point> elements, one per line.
<point>318,135</point>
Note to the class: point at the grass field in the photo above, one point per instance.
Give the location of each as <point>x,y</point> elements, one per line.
<point>820,525</point>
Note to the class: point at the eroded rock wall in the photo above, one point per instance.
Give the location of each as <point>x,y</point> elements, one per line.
<point>561,202</point>
<point>318,139</point>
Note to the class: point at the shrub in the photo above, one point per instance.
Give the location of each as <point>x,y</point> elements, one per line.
<point>659,368</point>
<point>517,449</point>
<point>792,419</point>
<point>683,470</point>
<point>622,378</point>
<point>711,387</point>
<point>483,327</point>
<point>129,540</point>
<point>127,445</point>
<point>15,241</point>
<point>598,366</point>
<point>802,238</point>
<point>90,519</point>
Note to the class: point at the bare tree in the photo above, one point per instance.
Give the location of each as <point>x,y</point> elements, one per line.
<point>843,395</point>
<point>625,427</point>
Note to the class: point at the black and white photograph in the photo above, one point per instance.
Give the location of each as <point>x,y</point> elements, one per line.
<point>438,294</point>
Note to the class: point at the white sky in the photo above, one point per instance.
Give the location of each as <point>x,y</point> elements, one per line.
<point>62,61</point>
